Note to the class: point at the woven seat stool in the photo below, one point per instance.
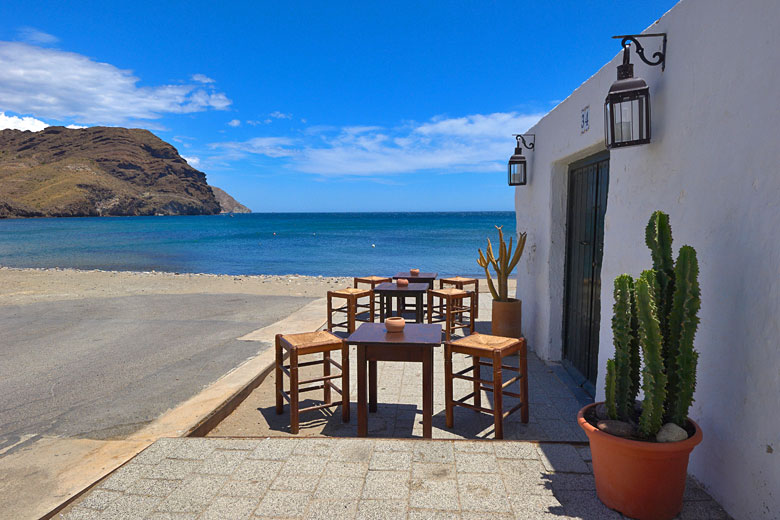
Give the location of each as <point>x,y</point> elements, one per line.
<point>460,282</point>
<point>350,308</point>
<point>297,345</point>
<point>496,349</point>
<point>451,309</point>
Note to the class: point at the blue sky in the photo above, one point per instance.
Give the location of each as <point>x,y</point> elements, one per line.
<point>315,106</point>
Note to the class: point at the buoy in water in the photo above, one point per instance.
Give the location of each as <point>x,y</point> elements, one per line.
<point>373,245</point>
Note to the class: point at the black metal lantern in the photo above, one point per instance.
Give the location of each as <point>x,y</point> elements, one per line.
<point>518,170</point>
<point>627,107</point>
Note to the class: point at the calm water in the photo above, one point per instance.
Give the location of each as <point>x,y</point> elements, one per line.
<point>328,244</point>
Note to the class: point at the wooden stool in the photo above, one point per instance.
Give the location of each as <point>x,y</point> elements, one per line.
<point>460,283</point>
<point>451,309</point>
<point>351,295</point>
<point>296,345</point>
<point>496,348</point>
<point>372,281</point>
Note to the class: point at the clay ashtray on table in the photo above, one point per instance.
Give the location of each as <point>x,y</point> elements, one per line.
<point>414,272</point>
<point>395,324</point>
<point>402,282</point>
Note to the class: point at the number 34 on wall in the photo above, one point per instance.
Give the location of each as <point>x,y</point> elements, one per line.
<point>584,116</point>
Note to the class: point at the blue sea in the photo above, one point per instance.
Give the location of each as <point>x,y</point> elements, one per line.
<point>328,244</point>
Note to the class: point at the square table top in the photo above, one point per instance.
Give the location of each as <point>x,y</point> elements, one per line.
<point>409,276</point>
<point>413,334</point>
<point>392,287</point>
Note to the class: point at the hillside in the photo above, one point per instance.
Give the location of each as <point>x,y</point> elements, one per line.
<point>227,203</point>
<point>98,171</point>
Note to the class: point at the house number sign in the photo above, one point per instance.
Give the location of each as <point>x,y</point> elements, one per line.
<point>584,116</point>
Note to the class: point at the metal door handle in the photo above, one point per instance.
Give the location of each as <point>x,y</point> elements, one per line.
<point>584,243</point>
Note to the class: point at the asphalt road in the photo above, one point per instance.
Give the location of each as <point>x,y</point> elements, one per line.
<point>103,368</point>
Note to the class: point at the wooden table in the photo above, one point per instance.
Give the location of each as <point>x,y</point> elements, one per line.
<point>387,291</point>
<point>414,344</point>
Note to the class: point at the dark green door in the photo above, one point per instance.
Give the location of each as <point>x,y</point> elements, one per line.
<point>587,204</point>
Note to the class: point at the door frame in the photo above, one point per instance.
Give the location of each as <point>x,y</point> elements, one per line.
<point>580,379</point>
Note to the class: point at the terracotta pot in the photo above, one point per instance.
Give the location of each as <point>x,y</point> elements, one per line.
<point>643,480</point>
<point>395,324</point>
<point>402,282</point>
<point>507,318</point>
<point>414,272</point>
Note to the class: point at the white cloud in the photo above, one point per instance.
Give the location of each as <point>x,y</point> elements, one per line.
<point>60,85</point>
<point>202,78</point>
<point>192,161</point>
<point>75,127</point>
<point>474,143</point>
<point>268,146</point>
<point>234,122</point>
<point>280,115</point>
<point>21,123</point>
<point>33,35</point>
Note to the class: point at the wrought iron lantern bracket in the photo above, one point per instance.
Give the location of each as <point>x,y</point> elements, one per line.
<point>521,137</point>
<point>628,39</point>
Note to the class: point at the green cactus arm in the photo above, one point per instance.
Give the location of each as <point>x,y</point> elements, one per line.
<point>653,376</point>
<point>634,356</point>
<point>658,237</point>
<point>621,335</point>
<point>683,323</point>
<point>610,390</point>
<point>518,251</point>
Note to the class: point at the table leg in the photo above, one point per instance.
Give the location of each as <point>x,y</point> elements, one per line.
<point>361,382</point>
<point>372,386</point>
<point>428,393</point>
<point>381,308</point>
<point>419,300</point>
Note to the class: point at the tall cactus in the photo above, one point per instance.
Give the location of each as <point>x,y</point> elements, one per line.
<point>651,341</point>
<point>683,322</point>
<point>658,312</point>
<point>503,265</point>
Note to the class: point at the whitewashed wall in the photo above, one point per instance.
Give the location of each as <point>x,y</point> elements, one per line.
<point>714,166</point>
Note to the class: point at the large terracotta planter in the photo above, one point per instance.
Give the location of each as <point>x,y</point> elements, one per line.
<point>507,318</point>
<point>643,480</point>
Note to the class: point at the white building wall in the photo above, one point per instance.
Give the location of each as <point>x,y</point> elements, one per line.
<point>714,166</point>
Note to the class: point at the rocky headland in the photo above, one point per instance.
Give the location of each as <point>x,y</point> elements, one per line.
<point>98,171</point>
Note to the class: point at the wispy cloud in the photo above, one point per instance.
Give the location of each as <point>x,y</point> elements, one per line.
<point>60,85</point>
<point>234,122</point>
<point>21,123</point>
<point>35,36</point>
<point>474,143</point>
<point>202,78</point>
<point>280,115</point>
<point>192,161</point>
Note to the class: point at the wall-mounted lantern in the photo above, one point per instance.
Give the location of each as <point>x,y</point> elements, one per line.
<point>518,170</point>
<point>627,107</point>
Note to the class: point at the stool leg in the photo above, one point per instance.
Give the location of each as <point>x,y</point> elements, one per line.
<point>498,397</point>
<point>279,374</point>
<point>373,307</point>
<point>294,392</point>
<point>351,304</point>
<point>477,373</point>
<point>430,307</point>
<point>472,314</point>
<point>448,385</point>
<point>524,385</point>
<point>330,312</point>
<point>448,320</point>
<point>476,297</point>
<point>326,373</point>
<point>344,381</point>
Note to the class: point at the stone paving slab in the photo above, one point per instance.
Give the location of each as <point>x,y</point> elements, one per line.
<point>357,479</point>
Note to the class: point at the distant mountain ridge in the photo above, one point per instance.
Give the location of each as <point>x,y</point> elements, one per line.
<point>227,203</point>
<point>98,171</point>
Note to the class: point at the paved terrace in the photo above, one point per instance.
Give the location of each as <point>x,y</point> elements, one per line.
<point>227,479</point>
